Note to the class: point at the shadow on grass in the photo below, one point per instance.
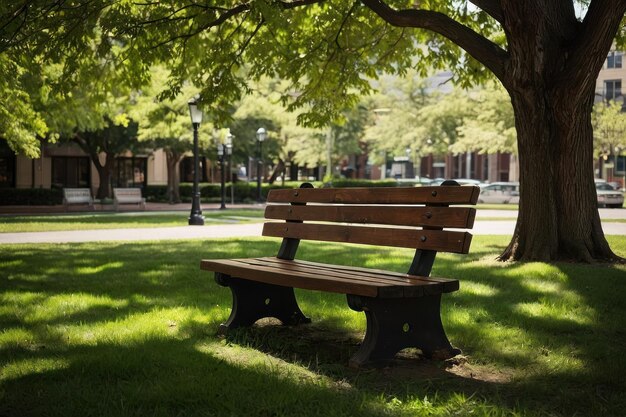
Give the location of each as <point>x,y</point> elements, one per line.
<point>525,349</point>
<point>165,378</point>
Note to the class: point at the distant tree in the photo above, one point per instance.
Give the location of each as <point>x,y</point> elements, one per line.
<point>609,127</point>
<point>165,124</point>
<point>394,117</point>
<point>490,125</point>
<point>110,141</point>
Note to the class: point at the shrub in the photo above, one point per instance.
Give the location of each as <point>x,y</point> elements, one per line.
<point>347,182</point>
<point>30,196</point>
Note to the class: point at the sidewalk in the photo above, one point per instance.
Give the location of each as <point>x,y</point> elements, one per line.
<point>493,227</point>
<point>99,208</point>
<point>157,233</point>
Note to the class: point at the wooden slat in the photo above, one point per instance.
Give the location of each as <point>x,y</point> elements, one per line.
<point>322,277</point>
<point>456,217</point>
<point>428,285</point>
<point>442,241</point>
<point>449,285</point>
<point>383,195</point>
<point>328,270</point>
<point>270,275</point>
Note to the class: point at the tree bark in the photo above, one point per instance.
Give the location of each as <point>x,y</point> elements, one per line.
<point>558,216</point>
<point>280,169</point>
<point>104,172</point>
<point>173,175</point>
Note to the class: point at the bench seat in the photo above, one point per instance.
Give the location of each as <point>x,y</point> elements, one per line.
<point>331,278</point>
<point>73,196</point>
<point>128,196</point>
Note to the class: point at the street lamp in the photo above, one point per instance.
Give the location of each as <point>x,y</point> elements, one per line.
<point>220,155</point>
<point>195,218</point>
<point>229,152</point>
<point>225,150</point>
<point>261,134</point>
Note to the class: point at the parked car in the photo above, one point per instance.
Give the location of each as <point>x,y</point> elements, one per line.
<point>608,196</point>
<point>499,192</point>
<point>467,181</point>
<point>460,181</point>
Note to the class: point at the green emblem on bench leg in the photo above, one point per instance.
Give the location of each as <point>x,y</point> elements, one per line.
<point>395,324</point>
<point>256,300</point>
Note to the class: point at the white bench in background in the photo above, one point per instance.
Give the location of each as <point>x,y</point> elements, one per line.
<point>128,196</point>
<point>77,196</point>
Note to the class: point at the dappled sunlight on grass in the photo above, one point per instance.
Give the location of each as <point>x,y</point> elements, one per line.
<point>11,264</point>
<point>559,312</point>
<point>16,338</point>
<point>86,270</point>
<point>478,289</point>
<point>68,305</point>
<point>87,325</point>
<point>32,367</point>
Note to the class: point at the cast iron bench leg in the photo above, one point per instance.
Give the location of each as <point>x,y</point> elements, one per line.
<point>255,300</point>
<point>397,323</point>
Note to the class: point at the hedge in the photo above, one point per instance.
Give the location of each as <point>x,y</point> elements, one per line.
<point>346,182</point>
<point>245,192</point>
<point>209,192</point>
<point>30,196</point>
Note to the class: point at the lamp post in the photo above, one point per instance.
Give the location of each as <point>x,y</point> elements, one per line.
<point>408,172</point>
<point>229,153</point>
<point>195,218</point>
<point>261,134</point>
<point>220,155</point>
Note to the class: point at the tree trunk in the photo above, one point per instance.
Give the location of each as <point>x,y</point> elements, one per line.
<point>558,215</point>
<point>173,176</point>
<point>280,169</point>
<point>104,172</point>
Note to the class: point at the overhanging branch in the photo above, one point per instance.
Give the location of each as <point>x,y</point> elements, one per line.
<point>491,7</point>
<point>479,47</point>
<point>594,40</point>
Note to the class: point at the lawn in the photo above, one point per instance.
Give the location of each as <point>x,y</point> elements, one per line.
<point>129,329</point>
<point>90,221</point>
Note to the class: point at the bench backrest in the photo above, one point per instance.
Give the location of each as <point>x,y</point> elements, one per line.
<point>410,217</point>
<point>129,195</point>
<point>77,195</point>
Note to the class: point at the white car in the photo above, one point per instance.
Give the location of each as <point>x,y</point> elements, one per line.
<point>499,192</point>
<point>608,196</point>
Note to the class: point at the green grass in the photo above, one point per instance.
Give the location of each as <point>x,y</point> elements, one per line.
<point>90,221</point>
<point>129,329</point>
<point>485,206</point>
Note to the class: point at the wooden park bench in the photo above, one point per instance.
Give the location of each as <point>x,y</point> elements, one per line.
<point>402,310</point>
<point>128,196</point>
<point>73,196</point>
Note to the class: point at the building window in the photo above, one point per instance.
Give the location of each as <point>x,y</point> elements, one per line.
<point>130,172</point>
<point>186,169</point>
<point>7,165</point>
<point>68,171</point>
<point>614,60</point>
<point>612,89</point>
